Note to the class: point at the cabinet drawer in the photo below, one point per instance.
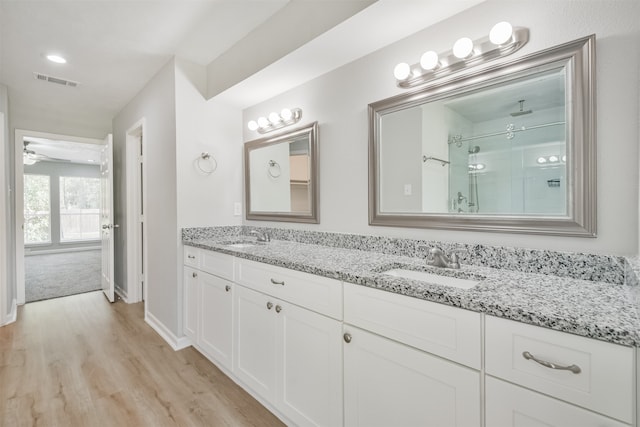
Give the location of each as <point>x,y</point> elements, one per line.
<point>603,384</point>
<point>446,331</point>
<point>320,294</point>
<point>218,264</point>
<point>191,256</point>
<point>508,405</point>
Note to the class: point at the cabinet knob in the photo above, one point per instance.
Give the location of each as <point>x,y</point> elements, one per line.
<point>227,288</point>
<point>347,338</point>
<point>278,309</point>
<point>194,274</point>
<point>269,305</point>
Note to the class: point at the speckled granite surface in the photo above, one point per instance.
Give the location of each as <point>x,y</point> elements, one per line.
<point>600,309</point>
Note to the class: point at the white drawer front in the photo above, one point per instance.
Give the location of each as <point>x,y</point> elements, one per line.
<point>446,331</point>
<point>191,256</point>
<point>508,405</point>
<point>605,381</point>
<point>317,293</point>
<point>218,264</point>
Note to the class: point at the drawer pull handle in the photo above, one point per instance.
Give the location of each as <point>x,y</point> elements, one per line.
<point>227,288</point>
<point>269,305</point>
<point>194,274</point>
<point>191,256</point>
<point>573,368</point>
<point>278,309</point>
<point>277,282</point>
<point>347,338</point>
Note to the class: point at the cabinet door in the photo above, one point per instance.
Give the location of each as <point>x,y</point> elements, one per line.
<point>255,341</point>
<point>508,405</point>
<point>390,384</point>
<point>216,308</point>
<point>190,294</point>
<point>310,359</point>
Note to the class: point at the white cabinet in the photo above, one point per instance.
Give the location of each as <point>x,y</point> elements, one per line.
<point>208,304</point>
<point>290,356</point>
<point>216,317</point>
<point>390,384</point>
<point>510,405</point>
<point>191,297</point>
<point>593,374</point>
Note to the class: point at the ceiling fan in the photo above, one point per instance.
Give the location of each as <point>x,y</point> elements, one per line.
<point>30,157</point>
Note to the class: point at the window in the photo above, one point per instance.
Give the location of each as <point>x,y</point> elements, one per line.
<point>79,208</point>
<point>37,209</point>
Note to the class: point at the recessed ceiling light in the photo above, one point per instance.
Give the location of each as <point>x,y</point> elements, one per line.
<point>57,59</point>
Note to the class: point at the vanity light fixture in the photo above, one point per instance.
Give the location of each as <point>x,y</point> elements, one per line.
<point>554,158</point>
<point>503,40</point>
<point>275,121</point>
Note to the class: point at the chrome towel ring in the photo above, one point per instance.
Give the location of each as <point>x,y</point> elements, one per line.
<point>206,163</point>
<point>274,169</point>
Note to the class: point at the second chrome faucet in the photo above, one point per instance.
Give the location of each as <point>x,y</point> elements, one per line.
<point>437,258</point>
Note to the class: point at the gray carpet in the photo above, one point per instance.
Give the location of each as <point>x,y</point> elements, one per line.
<point>57,275</point>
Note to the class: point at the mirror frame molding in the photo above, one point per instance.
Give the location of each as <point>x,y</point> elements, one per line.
<point>579,59</point>
<point>311,130</point>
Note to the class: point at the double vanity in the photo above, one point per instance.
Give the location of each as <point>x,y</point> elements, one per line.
<point>330,329</point>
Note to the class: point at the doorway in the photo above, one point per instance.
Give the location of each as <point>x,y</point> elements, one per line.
<point>57,215</point>
<point>136,242</point>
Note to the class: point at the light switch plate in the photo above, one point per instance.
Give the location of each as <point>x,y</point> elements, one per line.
<point>237,209</point>
<point>407,189</point>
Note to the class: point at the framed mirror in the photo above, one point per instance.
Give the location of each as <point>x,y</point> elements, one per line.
<point>507,148</point>
<point>281,176</point>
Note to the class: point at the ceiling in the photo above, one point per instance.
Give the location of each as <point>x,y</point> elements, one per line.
<point>114,47</point>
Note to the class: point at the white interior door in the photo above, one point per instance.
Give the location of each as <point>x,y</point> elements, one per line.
<point>106,217</point>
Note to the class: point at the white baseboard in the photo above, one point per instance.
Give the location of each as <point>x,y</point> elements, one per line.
<point>12,316</point>
<point>176,343</point>
<point>122,294</point>
<point>29,252</point>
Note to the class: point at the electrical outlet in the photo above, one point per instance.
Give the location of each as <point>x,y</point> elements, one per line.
<point>237,208</point>
<point>407,190</point>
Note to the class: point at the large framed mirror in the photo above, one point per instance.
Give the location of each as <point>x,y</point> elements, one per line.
<point>507,148</point>
<point>281,176</point>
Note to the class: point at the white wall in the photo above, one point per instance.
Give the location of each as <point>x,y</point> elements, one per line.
<point>156,104</point>
<point>214,128</point>
<point>338,101</point>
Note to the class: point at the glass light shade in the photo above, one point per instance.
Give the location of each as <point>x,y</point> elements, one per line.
<point>57,59</point>
<point>480,166</point>
<point>564,158</point>
<point>542,160</point>
<point>553,159</point>
<point>463,48</point>
<point>263,122</point>
<point>252,125</point>
<point>286,114</point>
<point>402,71</point>
<point>274,118</point>
<point>429,60</point>
<point>501,33</point>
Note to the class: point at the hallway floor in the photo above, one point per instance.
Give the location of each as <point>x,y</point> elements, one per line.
<point>80,361</point>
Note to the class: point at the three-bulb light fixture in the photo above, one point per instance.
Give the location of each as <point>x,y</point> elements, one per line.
<point>503,40</point>
<point>275,121</point>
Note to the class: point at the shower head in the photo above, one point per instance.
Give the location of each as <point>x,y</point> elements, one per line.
<point>521,112</point>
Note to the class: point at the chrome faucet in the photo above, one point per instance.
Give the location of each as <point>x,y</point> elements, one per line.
<point>262,237</point>
<point>437,258</point>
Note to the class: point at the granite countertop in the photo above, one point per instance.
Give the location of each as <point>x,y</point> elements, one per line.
<point>599,310</point>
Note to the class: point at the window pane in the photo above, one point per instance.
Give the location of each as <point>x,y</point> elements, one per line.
<point>37,209</point>
<point>79,208</point>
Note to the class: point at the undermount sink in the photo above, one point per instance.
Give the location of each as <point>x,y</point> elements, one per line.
<point>436,279</point>
<point>240,244</point>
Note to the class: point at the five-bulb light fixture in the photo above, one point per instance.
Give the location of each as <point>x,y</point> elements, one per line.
<point>503,40</point>
<point>276,121</point>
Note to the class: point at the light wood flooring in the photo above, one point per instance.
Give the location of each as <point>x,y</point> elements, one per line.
<point>80,361</point>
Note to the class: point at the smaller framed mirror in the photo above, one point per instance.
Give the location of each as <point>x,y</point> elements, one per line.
<point>281,176</point>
